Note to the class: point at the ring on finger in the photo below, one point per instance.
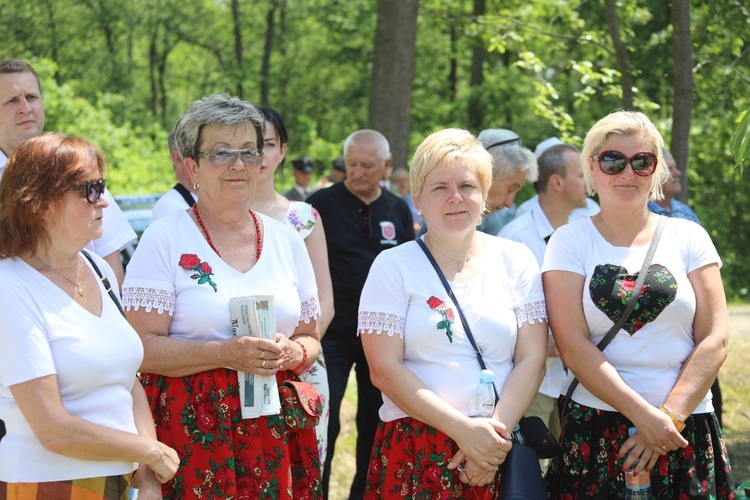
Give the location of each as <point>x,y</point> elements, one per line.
<point>264,364</point>
<point>664,447</point>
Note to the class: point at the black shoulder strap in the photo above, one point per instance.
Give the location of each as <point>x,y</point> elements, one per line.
<point>186,195</point>
<point>629,307</point>
<point>104,280</point>
<point>449,290</point>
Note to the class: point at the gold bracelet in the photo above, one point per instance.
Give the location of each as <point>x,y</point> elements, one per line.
<point>679,424</point>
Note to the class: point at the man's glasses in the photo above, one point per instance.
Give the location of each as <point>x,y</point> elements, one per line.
<point>366,220</point>
<point>221,157</point>
<point>92,190</point>
<point>614,162</point>
<point>506,143</point>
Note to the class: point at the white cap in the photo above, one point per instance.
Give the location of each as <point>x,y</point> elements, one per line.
<point>545,144</point>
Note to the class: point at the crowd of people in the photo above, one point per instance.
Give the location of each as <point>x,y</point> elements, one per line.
<point>113,382</point>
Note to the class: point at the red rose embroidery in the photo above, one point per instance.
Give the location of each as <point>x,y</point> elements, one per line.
<point>447,313</point>
<point>191,262</point>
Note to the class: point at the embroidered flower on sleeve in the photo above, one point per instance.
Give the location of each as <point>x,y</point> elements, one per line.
<point>446,312</point>
<point>203,271</point>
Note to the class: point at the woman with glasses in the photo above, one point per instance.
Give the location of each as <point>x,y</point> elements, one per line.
<point>656,372</point>
<point>303,218</point>
<point>187,268</point>
<point>77,419</point>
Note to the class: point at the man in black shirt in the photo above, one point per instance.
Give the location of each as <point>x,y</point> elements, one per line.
<point>361,220</point>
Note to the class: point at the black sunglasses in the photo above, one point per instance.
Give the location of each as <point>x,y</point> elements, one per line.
<point>614,162</point>
<point>92,190</point>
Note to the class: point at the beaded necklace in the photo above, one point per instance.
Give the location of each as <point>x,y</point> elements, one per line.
<point>258,240</point>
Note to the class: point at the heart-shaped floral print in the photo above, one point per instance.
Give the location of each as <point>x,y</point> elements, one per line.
<point>611,287</point>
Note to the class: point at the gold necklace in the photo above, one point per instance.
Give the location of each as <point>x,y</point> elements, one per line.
<point>79,285</point>
<point>459,268</point>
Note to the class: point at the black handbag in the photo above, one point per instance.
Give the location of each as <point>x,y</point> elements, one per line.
<point>521,475</point>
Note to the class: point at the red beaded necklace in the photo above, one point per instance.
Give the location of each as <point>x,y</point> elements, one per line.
<point>258,239</point>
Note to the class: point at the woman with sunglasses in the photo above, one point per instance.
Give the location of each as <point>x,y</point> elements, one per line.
<point>77,418</point>
<point>181,279</point>
<point>656,373</point>
<point>304,219</point>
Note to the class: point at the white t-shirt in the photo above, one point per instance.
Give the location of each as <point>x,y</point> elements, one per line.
<point>169,202</point>
<point>531,229</point>
<point>44,332</point>
<point>302,217</point>
<point>402,294</point>
<point>591,208</point>
<point>649,360</point>
<point>155,279</point>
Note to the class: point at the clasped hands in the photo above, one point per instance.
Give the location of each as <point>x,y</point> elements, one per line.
<point>483,445</point>
<point>656,436</point>
<point>262,356</point>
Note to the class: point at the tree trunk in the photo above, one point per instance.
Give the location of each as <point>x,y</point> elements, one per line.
<point>621,53</point>
<point>478,55</point>
<point>683,89</point>
<point>392,74</point>
<point>265,67</point>
<point>236,23</point>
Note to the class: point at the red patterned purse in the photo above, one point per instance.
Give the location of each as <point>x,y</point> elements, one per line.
<point>301,405</point>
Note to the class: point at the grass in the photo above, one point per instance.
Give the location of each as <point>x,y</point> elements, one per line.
<point>735,387</point>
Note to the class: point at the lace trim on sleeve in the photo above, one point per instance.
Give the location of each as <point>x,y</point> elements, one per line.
<point>148,298</point>
<point>310,309</point>
<point>530,312</point>
<point>379,322</point>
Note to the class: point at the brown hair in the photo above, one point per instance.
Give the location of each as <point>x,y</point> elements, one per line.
<point>36,177</point>
<point>8,66</point>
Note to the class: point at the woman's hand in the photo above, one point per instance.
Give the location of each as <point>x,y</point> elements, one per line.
<point>252,355</point>
<point>483,443</point>
<point>657,432</point>
<point>163,461</point>
<point>149,488</point>
<point>640,455</point>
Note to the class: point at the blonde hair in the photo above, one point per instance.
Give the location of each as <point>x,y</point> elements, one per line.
<point>625,123</point>
<point>446,146</point>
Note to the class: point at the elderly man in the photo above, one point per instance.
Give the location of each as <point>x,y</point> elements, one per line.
<point>561,190</point>
<point>513,165</point>
<point>182,195</point>
<point>22,117</point>
<point>362,220</point>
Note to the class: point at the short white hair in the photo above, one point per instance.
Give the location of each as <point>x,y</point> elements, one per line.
<point>372,137</point>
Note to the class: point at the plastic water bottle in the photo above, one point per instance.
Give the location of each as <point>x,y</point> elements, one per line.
<point>637,487</point>
<point>482,403</point>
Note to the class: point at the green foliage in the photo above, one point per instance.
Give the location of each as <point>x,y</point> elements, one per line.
<point>740,144</point>
<point>120,73</point>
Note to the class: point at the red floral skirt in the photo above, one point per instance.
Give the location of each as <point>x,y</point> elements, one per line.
<point>410,460</point>
<point>223,455</point>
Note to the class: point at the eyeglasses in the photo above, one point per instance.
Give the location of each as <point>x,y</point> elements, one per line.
<point>221,157</point>
<point>505,143</point>
<point>92,190</point>
<point>614,162</point>
<point>366,220</point>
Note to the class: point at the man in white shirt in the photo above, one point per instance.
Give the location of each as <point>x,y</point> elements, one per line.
<point>182,195</point>
<point>591,208</point>
<point>561,189</point>
<point>22,117</point>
